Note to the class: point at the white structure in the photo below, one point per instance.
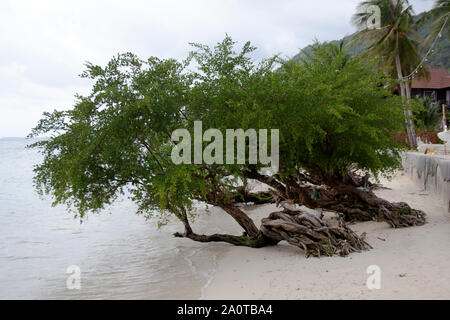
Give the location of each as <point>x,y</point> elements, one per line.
<point>431,172</point>
<point>444,136</point>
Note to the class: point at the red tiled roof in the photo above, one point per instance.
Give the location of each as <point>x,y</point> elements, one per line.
<point>438,78</point>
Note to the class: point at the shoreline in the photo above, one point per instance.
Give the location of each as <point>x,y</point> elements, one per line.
<point>414,262</point>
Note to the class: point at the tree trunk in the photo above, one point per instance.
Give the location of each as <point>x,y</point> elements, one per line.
<point>410,114</point>
<point>252,237</point>
<point>406,93</point>
<point>243,219</point>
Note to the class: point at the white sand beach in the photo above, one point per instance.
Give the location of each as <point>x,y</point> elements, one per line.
<point>414,262</point>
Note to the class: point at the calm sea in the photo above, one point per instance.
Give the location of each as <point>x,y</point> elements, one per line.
<point>120,255</point>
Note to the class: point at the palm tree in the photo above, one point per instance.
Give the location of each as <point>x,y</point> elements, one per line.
<point>395,42</point>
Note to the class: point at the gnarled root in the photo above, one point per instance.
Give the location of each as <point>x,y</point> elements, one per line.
<point>396,214</point>
<point>315,236</point>
<point>351,196</point>
<point>258,241</point>
<point>400,215</point>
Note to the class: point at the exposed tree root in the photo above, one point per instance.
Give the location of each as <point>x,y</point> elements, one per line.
<point>315,236</point>
<point>401,215</point>
<point>298,228</point>
<point>364,205</point>
<point>354,199</point>
<point>244,240</point>
<point>396,214</point>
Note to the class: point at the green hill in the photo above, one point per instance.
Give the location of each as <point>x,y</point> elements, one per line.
<point>439,58</point>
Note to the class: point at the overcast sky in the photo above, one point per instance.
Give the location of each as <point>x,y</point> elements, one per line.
<point>44,44</point>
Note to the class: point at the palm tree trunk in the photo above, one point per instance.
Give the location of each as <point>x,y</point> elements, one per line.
<point>406,93</point>
<point>410,114</point>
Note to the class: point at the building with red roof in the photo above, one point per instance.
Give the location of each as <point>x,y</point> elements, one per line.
<point>436,85</point>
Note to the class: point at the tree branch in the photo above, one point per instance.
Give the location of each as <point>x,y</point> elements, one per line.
<point>147,146</point>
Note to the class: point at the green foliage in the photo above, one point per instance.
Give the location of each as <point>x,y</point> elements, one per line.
<point>339,114</point>
<point>334,113</point>
<point>428,115</point>
<point>404,211</point>
<point>99,148</point>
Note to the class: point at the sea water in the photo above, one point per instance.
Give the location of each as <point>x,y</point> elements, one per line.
<point>120,255</point>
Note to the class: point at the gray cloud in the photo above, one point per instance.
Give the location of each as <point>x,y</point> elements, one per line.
<point>45,43</point>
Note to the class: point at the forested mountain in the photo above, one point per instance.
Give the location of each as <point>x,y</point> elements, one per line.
<point>440,57</point>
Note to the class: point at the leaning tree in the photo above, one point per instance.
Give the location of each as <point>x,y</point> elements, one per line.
<point>336,120</point>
